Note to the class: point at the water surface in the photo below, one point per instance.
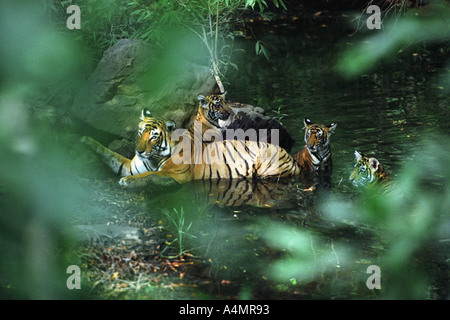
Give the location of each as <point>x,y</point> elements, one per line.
<point>276,240</point>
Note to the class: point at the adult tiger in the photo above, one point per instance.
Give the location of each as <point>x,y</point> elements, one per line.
<point>153,148</point>
<point>368,171</point>
<point>315,158</point>
<point>154,145</point>
<point>228,159</point>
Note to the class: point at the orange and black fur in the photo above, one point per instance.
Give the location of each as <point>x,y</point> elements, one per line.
<point>315,158</point>
<point>368,171</point>
<point>154,145</point>
<point>152,149</point>
<point>228,159</point>
<point>211,110</point>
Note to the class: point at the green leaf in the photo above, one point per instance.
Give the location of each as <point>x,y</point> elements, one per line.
<point>257,47</point>
<point>265,53</point>
<point>234,66</point>
<point>250,3</point>
<point>136,12</point>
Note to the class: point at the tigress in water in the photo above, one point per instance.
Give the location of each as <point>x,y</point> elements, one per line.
<point>152,149</point>
<point>154,144</point>
<point>368,171</point>
<point>315,158</point>
<point>227,159</point>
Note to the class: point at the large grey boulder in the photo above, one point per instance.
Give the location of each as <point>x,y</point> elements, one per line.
<point>118,90</point>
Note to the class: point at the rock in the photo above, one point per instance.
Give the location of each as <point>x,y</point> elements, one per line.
<point>246,116</point>
<point>118,90</point>
<point>123,147</point>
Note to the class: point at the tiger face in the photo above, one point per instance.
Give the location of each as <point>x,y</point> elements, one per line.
<point>367,171</point>
<point>154,137</point>
<point>317,139</point>
<point>214,107</point>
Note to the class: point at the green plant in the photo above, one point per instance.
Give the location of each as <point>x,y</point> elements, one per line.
<point>260,48</point>
<point>427,25</point>
<point>279,115</point>
<point>211,21</point>
<point>178,220</point>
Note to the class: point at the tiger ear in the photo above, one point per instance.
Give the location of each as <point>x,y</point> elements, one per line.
<point>357,156</point>
<point>170,125</point>
<point>374,164</point>
<point>307,122</point>
<point>145,114</point>
<point>203,101</point>
<point>332,127</point>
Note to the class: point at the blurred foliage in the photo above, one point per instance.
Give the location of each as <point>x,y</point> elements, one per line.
<point>415,28</point>
<point>38,197</point>
<point>40,193</point>
<point>412,223</point>
<point>31,48</point>
<point>212,21</point>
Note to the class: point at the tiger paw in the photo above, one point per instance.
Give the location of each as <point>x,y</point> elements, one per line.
<point>124,182</point>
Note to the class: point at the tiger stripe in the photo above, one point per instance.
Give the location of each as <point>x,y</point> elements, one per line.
<point>368,171</point>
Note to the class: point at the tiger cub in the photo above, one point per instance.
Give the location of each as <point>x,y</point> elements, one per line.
<point>315,158</point>
<point>368,172</point>
<point>212,111</point>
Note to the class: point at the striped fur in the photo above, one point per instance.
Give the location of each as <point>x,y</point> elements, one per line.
<point>234,159</point>
<point>315,158</point>
<point>316,155</point>
<point>244,192</point>
<point>154,147</point>
<point>212,110</point>
<point>368,172</point>
<point>229,159</point>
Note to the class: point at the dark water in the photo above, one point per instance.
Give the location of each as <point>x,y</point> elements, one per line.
<point>383,113</point>
<point>256,239</point>
<point>243,231</point>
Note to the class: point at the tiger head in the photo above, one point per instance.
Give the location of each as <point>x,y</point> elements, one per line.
<point>154,138</point>
<point>214,108</point>
<point>317,139</point>
<point>367,171</point>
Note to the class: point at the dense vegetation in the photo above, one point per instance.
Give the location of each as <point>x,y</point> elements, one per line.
<point>46,188</point>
